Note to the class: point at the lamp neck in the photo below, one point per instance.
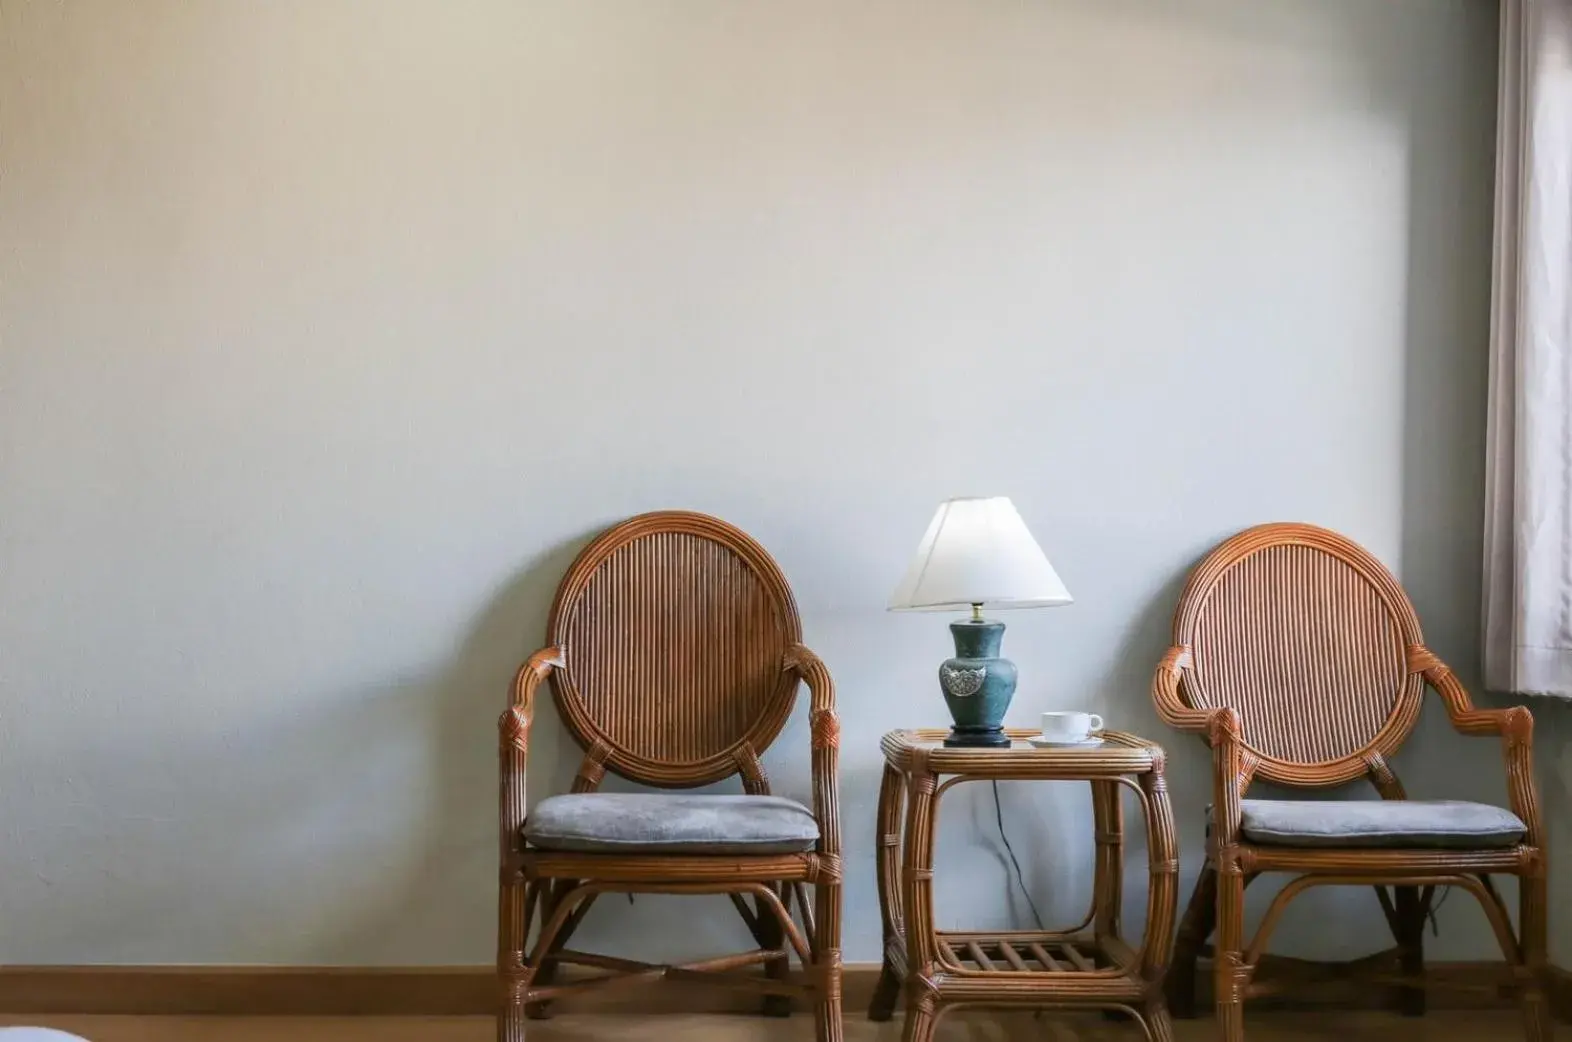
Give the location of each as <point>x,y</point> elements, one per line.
<point>977,615</point>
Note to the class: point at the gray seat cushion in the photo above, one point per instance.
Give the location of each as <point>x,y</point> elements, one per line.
<point>1403,824</point>
<point>671,823</point>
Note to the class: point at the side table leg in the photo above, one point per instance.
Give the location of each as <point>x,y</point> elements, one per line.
<point>1108,867</point>
<point>1108,876</point>
<point>1162,853</point>
<point>888,837</point>
<point>922,1016</point>
<point>1162,896</point>
<point>922,945</point>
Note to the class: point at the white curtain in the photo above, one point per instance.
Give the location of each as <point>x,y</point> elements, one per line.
<point>1528,514</point>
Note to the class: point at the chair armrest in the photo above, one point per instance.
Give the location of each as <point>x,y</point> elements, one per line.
<point>513,746</point>
<point>1514,726</point>
<point>1230,760</point>
<point>826,729</point>
<point>1165,694</point>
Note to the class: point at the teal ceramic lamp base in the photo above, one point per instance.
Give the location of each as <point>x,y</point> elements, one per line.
<point>977,684</point>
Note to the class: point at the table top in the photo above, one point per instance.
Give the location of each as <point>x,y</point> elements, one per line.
<point>1116,755</point>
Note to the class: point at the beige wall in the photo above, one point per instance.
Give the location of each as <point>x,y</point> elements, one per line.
<point>1553,748</point>
<point>329,330</point>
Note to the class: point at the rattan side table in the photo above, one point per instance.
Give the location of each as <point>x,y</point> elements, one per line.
<point>1086,967</point>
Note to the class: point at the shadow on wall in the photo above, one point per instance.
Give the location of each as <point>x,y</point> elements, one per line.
<point>400,778</point>
<point>1339,26</point>
<point>458,859</point>
<point>1553,723</point>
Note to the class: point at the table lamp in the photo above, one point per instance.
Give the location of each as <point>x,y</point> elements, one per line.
<point>978,553</point>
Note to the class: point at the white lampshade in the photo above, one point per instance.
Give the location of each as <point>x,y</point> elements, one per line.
<point>978,551</point>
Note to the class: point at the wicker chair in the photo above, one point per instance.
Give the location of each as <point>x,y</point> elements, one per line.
<point>675,656</point>
<point>1299,657</point>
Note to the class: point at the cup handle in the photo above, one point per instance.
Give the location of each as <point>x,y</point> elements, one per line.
<point>1097,722</point>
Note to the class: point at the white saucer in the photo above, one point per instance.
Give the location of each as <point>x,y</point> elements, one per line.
<point>1039,742</point>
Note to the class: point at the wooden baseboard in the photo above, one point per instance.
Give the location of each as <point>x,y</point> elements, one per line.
<point>247,990</point>
<point>1453,986</point>
<point>341,991</point>
<point>472,991</point>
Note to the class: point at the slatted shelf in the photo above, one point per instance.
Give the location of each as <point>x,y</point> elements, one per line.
<point>1065,955</point>
<point>1012,957</point>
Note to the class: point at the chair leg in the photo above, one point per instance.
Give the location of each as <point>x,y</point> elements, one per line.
<point>1159,1028</point>
<point>772,935</point>
<point>892,796</point>
<point>545,974</point>
<point>886,993</point>
<point>1533,910</point>
<point>513,976</point>
<point>1229,954</point>
<point>827,1025</point>
<point>510,1018</point>
<point>1410,937</point>
<point>544,977</point>
<point>1196,926</point>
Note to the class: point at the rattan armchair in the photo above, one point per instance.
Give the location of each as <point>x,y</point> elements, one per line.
<point>1300,659</point>
<point>675,656</point>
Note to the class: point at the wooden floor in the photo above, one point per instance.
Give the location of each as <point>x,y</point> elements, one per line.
<point>1441,1026</point>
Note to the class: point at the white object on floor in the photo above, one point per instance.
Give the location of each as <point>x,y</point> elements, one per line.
<point>37,1035</point>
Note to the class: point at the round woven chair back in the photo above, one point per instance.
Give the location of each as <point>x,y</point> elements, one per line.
<point>1305,634</point>
<point>674,628</point>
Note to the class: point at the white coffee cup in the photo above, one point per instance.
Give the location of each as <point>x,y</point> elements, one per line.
<point>1070,726</point>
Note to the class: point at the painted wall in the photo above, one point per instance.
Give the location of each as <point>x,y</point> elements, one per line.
<point>1553,753</point>
<point>330,331</point>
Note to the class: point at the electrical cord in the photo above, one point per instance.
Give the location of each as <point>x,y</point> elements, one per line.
<point>998,814</point>
<point>1435,925</point>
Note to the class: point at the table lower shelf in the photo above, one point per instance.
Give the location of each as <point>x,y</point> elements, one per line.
<point>1058,954</point>
<point>1033,969</point>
